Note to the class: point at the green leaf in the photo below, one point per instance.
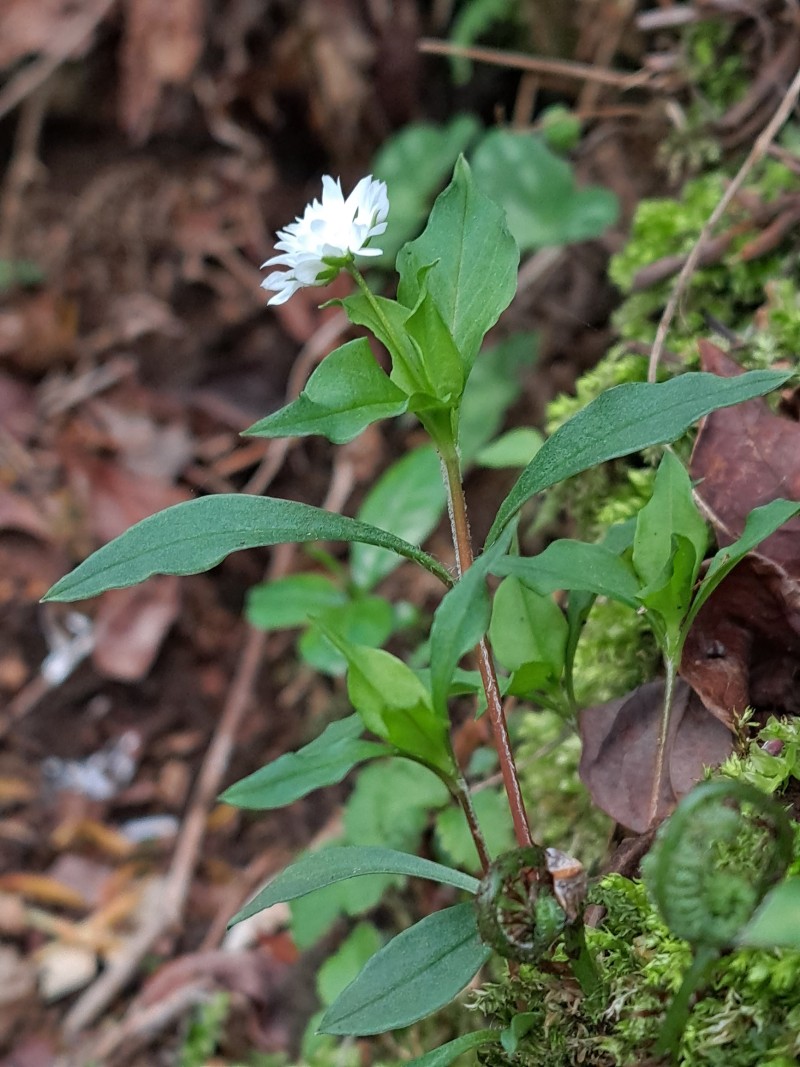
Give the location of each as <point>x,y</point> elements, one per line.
<point>391,804</point>
<point>568,564</point>
<point>447,1054</point>
<point>670,510</point>
<point>514,449</point>
<point>492,387</point>
<point>339,970</point>
<point>528,632</point>
<point>23,272</point>
<point>776,923</point>
<point>627,419</point>
<point>415,163</point>
<point>520,1025</point>
<point>669,595</point>
<point>459,624</point>
<point>387,320</point>
<point>285,603</point>
<point>408,501</point>
<point>318,869</point>
<point>346,393</point>
<point>475,273</point>
<point>537,189</point>
<point>365,620</point>
<point>394,704</point>
<point>761,522</point>
<point>418,972</point>
<point>198,534</point>
<point>427,328</point>
<point>325,761</point>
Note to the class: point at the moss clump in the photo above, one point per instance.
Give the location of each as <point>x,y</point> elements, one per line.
<point>747,1015</point>
<point>733,290</point>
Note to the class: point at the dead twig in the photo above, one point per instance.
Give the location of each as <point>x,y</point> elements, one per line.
<point>187,849</point>
<point>35,74</point>
<point>756,154</point>
<point>215,764</point>
<point>141,1026</point>
<point>22,168</point>
<point>562,68</point>
<point>314,350</point>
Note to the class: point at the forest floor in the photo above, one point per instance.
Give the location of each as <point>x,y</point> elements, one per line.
<point>152,151</point>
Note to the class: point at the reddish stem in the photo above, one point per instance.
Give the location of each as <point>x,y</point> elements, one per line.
<point>462,542</point>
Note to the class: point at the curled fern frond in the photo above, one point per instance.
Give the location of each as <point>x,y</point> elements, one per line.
<point>518,913</point>
<point>706,885</point>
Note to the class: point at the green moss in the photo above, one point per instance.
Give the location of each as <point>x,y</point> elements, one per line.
<point>616,653</point>
<point>732,290</point>
<point>747,1015</point>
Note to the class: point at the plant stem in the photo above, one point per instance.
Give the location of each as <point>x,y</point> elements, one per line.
<point>678,1012</point>
<point>464,798</point>
<point>671,673</point>
<point>462,543</point>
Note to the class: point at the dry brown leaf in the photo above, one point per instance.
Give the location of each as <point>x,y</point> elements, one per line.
<point>161,45</point>
<point>40,27</point>
<point>130,627</point>
<point>619,746</point>
<point>64,969</point>
<point>43,889</point>
<point>746,456</point>
<point>744,646</point>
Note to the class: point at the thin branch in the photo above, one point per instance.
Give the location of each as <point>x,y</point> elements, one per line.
<point>35,74</point>
<point>564,68</point>
<point>756,154</point>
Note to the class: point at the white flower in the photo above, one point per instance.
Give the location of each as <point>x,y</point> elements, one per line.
<point>317,246</point>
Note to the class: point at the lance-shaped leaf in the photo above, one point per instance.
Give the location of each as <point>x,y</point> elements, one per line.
<point>669,594</point>
<point>776,923</point>
<point>287,602</point>
<point>317,870</point>
<point>418,972</point>
<point>475,259</point>
<point>346,393</point>
<point>387,320</point>
<point>568,564</point>
<point>195,536</point>
<point>529,636</point>
<point>394,704</point>
<point>460,622</point>
<point>670,511</point>
<point>446,1054</point>
<point>761,522</point>
<point>325,761</point>
<point>627,419</point>
<point>426,326</point>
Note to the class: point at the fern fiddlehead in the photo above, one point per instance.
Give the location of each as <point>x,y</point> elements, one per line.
<point>527,899</point>
<point>710,867</point>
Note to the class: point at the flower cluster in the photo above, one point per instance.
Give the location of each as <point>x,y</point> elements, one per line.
<point>328,236</point>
